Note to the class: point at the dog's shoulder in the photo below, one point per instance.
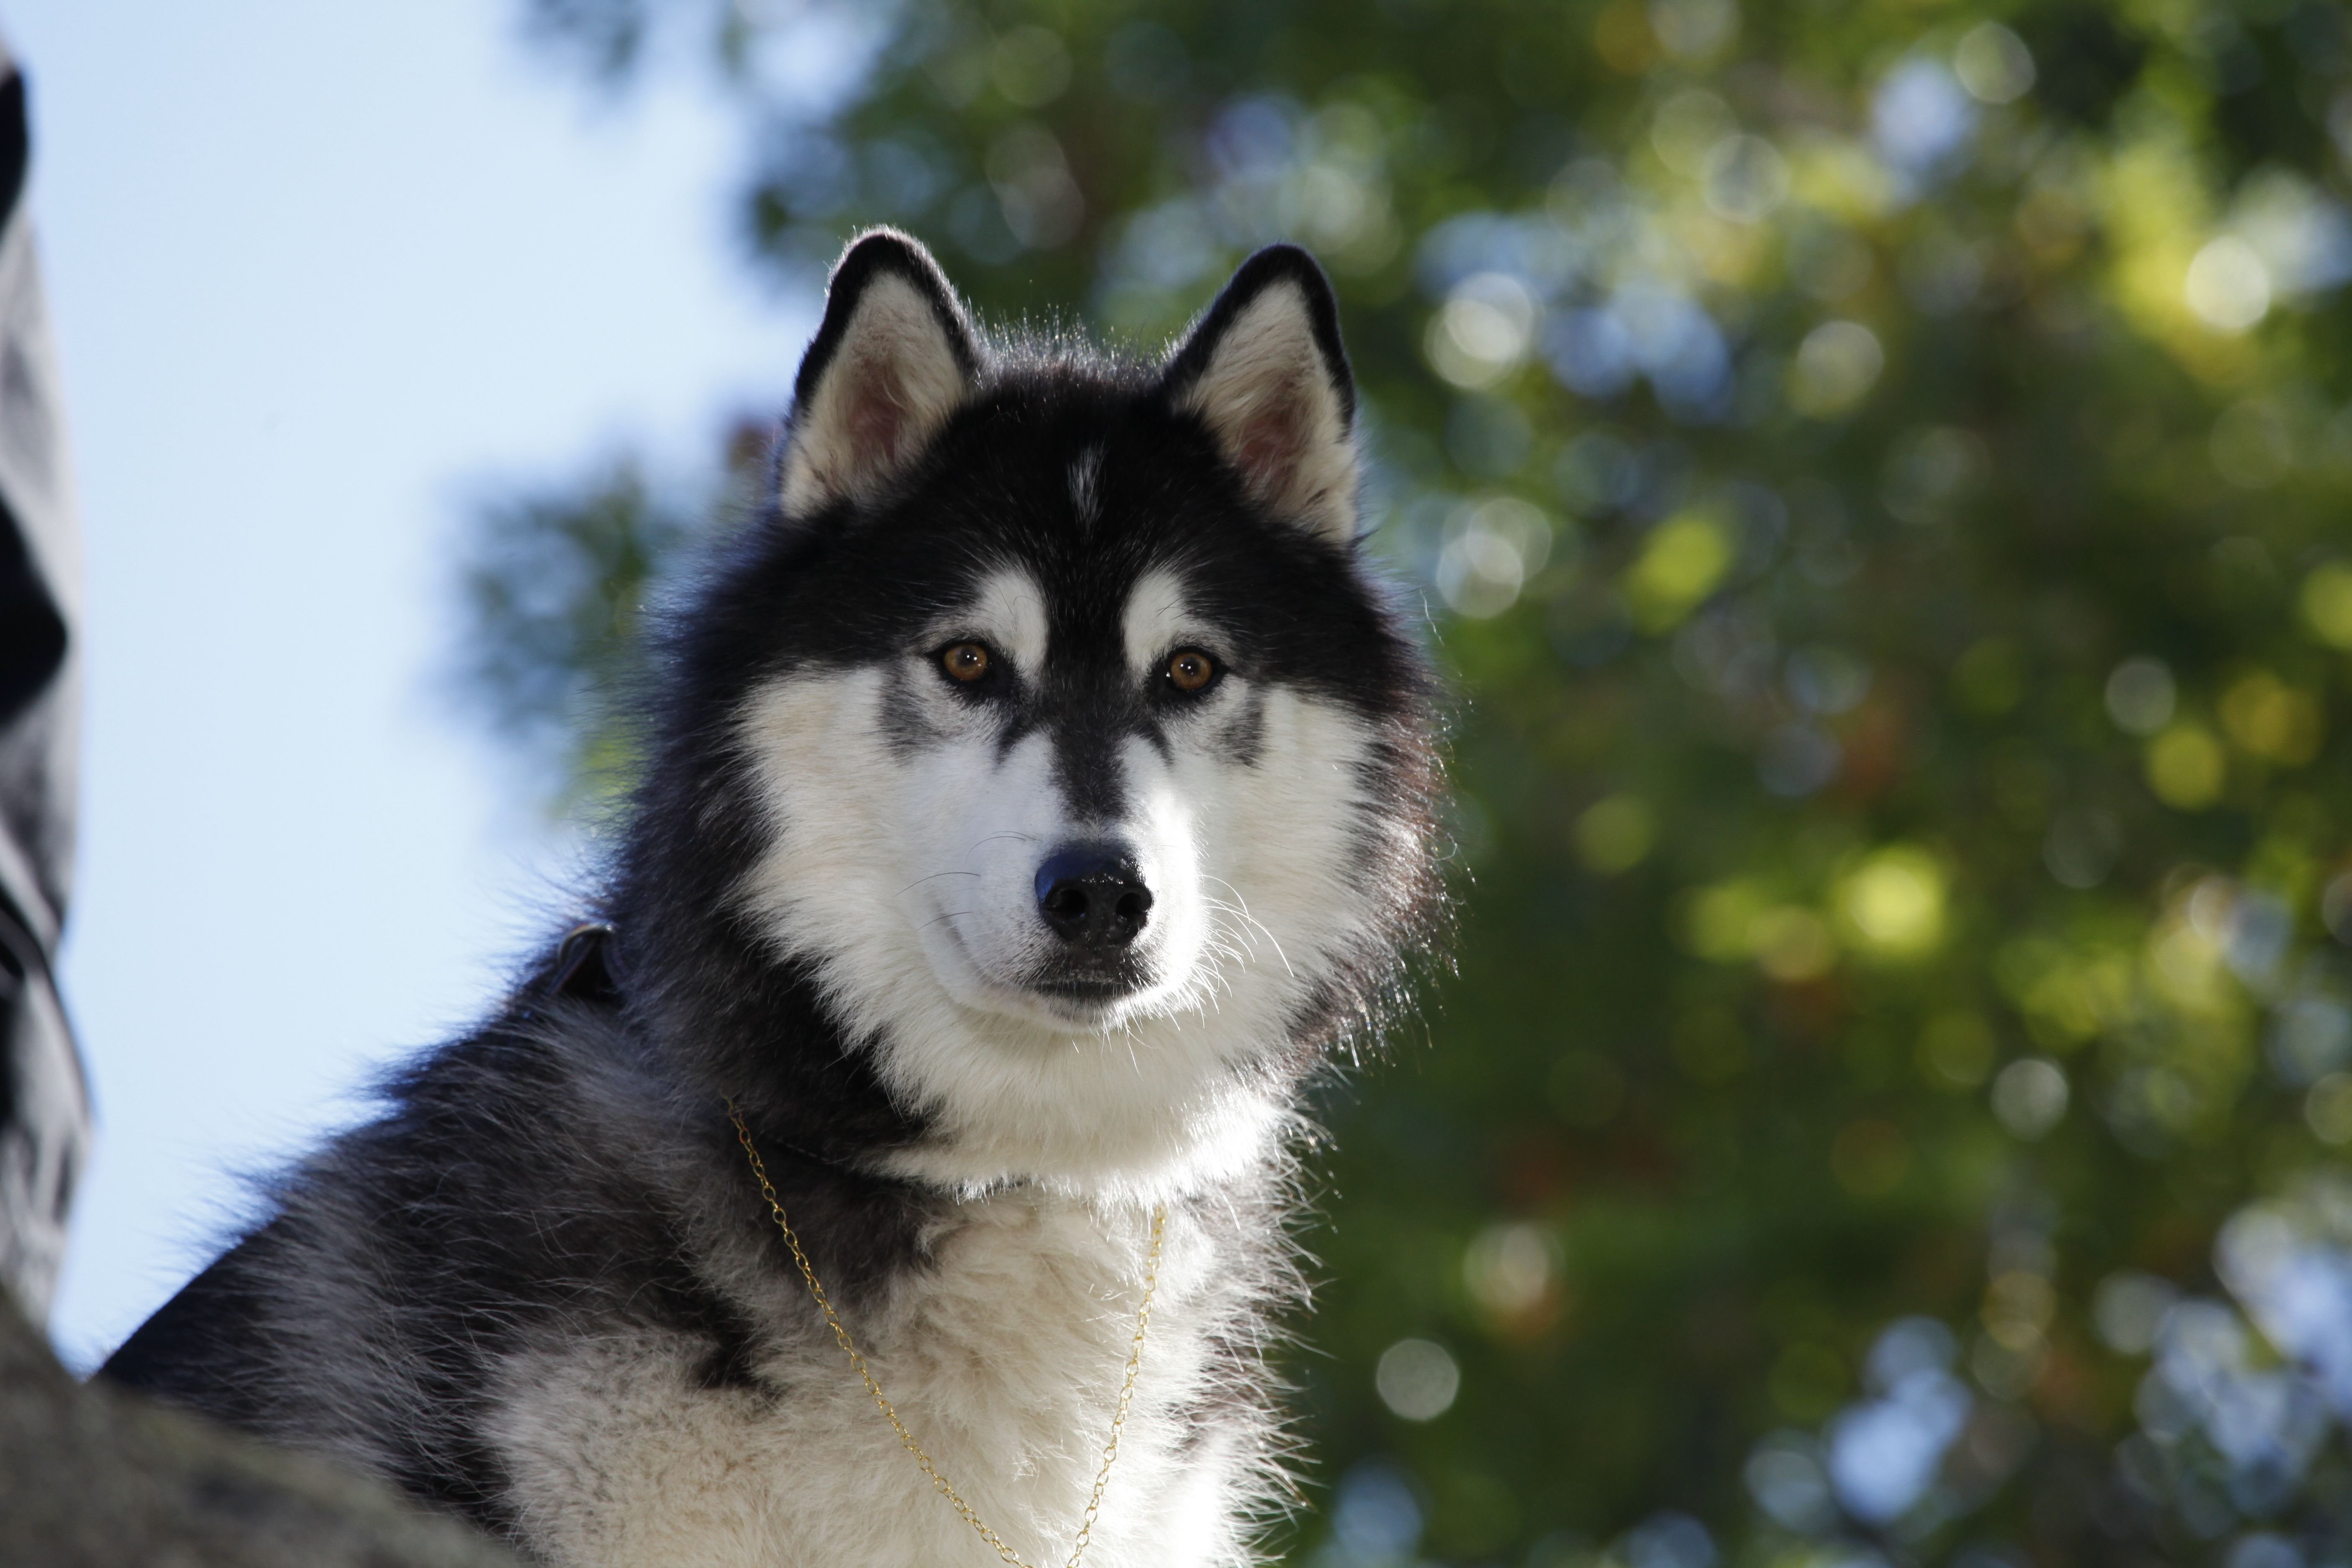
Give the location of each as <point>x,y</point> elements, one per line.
<point>521,1177</point>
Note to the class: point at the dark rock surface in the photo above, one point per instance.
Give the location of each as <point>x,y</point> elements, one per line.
<point>91,1477</point>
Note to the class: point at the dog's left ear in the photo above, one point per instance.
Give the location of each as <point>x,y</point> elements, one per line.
<point>895,356</point>
<point>1265,370</point>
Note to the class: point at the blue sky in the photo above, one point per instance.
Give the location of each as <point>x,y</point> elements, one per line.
<point>318,272</point>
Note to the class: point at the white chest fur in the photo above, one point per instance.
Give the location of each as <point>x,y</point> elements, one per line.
<point>1005,1359</point>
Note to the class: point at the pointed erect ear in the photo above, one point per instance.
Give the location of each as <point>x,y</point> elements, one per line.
<point>1265,371</point>
<point>895,357</point>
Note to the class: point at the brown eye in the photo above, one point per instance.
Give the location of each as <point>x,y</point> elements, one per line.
<point>1190,671</point>
<point>966,661</point>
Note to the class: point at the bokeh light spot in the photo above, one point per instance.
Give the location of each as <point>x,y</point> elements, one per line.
<point>1687,128</point>
<point>2030,1098</point>
<point>1492,548</point>
<point>1694,29</point>
<point>1031,66</point>
<point>1375,1515</point>
<point>2128,1309</point>
<point>1509,1269</point>
<point>1615,835</point>
<point>2271,720</point>
<point>1836,365</point>
<point>1418,1379</point>
<point>1993,64</point>
<point>2326,603</point>
<point>2186,768</point>
<point>1791,944</point>
<point>2140,696</point>
<point>1683,560</point>
<point>2018,1307</point>
<point>1745,178</point>
<point>1892,905</point>
<point>2228,287</point>
<point>1483,332</point>
<point>2328,1108</point>
<point>1784,1476</point>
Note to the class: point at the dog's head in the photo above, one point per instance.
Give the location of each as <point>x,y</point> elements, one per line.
<point>1092,769</point>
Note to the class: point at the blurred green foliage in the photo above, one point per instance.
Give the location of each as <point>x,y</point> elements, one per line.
<point>553,587</point>
<point>1879,475</point>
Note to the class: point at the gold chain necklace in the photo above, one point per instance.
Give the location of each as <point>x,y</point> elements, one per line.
<point>889,1412</point>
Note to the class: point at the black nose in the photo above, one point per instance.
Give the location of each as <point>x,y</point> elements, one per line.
<point>1093,896</point>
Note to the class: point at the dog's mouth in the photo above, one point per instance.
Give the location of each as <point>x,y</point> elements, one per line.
<point>1067,989</point>
<point>1089,991</point>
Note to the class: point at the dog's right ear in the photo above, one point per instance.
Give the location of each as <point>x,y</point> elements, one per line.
<point>895,356</point>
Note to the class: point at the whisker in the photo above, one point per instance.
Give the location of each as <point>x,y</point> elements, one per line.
<point>1260,927</point>
<point>933,878</point>
<point>1243,909</point>
<point>1223,927</point>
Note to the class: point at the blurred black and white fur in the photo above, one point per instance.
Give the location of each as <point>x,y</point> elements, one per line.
<point>1040,789</point>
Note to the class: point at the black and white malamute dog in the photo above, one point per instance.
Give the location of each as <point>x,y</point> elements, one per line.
<point>1040,788</point>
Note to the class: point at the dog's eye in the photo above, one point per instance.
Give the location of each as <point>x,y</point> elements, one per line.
<point>1190,670</point>
<point>965,661</point>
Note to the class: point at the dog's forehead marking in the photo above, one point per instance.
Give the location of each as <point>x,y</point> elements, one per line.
<point>1010,610</point>
<point>1156,614</point>
<point>1086,484</point>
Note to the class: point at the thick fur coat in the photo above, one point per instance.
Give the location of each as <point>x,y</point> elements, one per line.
<point>1041,790</point>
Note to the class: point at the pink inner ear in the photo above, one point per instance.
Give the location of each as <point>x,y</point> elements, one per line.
<point>1272,439</point>
<point>876,420</point>
<point>874,424</point>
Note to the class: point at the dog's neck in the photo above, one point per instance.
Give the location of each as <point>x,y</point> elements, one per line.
<point>822,1096</point>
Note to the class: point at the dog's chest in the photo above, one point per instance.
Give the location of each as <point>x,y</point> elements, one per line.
<point>1005,1360</point>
